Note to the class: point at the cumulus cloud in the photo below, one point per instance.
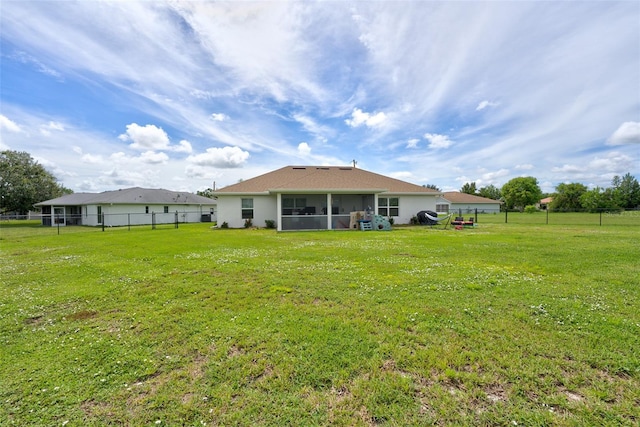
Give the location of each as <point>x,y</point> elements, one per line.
<point>225,157</point>
<point>438,141</point>
<point>219,117</point>
<point>151,157</point>
<point>8,125</point>
<point>183,147</point>
<point>627,133</point>
<point>304,149</point>
<point>485,104</point>
<point>359,118</point>
<point>147,137</point>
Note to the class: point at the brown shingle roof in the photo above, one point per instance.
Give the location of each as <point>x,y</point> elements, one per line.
<point>323,178</point>
<point>458,197</point>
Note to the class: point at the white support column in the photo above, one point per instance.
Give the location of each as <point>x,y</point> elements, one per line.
<point>329,211</point>
<point>279,212</point>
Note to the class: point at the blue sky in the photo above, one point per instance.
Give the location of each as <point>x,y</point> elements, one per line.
<point>179,95</point>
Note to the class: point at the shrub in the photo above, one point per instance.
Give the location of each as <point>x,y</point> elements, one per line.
<point>248,223</point>
<point>414,220</point>
<point>270,223</point>
<point>530,209</point>
<point>224,225</point>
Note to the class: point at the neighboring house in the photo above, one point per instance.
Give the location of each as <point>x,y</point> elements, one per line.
<point>462,203</point>
<point>544,203</point>
<point>319,198</point>
<point>131,206</point>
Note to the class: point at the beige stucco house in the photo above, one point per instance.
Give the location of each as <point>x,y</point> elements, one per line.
<point>319,198</point>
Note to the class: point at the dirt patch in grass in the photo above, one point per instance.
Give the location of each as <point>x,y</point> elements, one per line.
<point>82,315</point>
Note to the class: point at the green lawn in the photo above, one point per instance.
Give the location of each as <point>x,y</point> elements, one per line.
<point>495,325</point>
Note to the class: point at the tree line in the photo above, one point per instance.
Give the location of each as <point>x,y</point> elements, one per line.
<point>521,192</point>
<point>25,182</point>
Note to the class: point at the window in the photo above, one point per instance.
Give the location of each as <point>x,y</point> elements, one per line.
<point>166,209</point>
<point>99,214</point>
<point>442,208</point>
<point>247,208</point>
<point>388,206</point>
<point>146,209</point>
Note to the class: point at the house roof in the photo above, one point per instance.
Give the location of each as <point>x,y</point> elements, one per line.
<point>130,196</point>
<point>339,179</point>
<point>458,197</point>
<point>546,200</point>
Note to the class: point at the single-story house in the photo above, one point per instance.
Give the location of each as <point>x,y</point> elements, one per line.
<point>130,206</point>
<point>543,204</point>
<point>463,203</point>
<point>319,198</point>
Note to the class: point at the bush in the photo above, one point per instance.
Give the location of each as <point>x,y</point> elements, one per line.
<point>414,220</point>
<point>224,225</point>
<point>248,223</point>
<point>530,209</point>
<point>270,223</point>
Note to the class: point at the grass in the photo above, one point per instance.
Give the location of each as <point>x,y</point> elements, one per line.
<point>496,325</point>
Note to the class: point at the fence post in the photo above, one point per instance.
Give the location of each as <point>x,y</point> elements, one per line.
<point>176,219</point>
<point>153,220</point>
<point>601,218</point>
<point>547,215</point>
<point>506,212</point>
<point>102,214</point>
<point>128,222</point>
<point>476,219</point>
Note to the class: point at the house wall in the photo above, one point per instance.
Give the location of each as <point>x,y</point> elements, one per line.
<point>410,205</point>
<point>133,214</point>
<point>230,210</point>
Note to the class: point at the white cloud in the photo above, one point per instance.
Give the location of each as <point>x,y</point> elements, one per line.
<point>183,147</point>
<point>51,126</point>
<point>359,117</point>
<point>484,104</point>
<point>524,167</point>
<point>412,143</point>
<point>627,133</point>
<point>8,125</point>
<point>438,141</point>
<point>225,157</point>
<point>154,158</point>
<point>219,117</point>
<point>570,169</point>
<point>147,137</point>
<point>304,149</point>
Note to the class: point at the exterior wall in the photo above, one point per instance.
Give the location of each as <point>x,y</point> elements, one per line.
<point>122,215</point>
<point>410,205</point>
<point>230,210</point>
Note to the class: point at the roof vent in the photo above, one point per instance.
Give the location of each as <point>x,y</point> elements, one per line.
<point>295,168</point>
<point>345,169</point>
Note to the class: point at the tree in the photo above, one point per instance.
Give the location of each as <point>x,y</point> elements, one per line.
<point>567,197</point>
<point>24,182</point>
<point>520,192</point>
<point>490,192</point>
<point>432,186</point>
<point>206,193</point>
<point>600,199</point>
<point>627,190</point>
<point>469,188</point>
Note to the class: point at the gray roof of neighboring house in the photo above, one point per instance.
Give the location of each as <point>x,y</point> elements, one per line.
<point>458,197</point>
<point>130,196</point>
<point>323,178</point>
